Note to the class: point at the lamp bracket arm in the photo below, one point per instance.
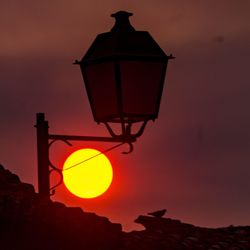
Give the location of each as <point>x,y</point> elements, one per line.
<point>67,138</point>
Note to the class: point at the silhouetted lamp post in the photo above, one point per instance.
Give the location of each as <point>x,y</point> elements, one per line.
<point>123,72</point>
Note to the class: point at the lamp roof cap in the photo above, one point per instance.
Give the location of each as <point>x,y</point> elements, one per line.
<point>122,21</point>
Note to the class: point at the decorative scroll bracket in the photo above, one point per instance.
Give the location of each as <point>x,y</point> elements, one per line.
<point>44,142</point>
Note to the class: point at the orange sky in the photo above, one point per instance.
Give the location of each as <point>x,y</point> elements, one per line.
<point>193,160</point>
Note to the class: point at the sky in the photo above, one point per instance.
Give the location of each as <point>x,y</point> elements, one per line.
<point>193,160</point>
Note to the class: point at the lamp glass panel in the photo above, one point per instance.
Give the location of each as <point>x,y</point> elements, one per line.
<point>141,87</point>
<point>101,87</point>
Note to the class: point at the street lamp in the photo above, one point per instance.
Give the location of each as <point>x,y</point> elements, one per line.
<point>123,72</point>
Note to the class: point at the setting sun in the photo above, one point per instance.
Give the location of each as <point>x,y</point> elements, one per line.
<point>87,173</point>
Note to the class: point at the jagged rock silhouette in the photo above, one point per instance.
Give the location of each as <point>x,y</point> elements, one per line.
<point>30,222</point>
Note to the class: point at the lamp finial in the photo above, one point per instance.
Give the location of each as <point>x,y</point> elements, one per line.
<point>122,21</point>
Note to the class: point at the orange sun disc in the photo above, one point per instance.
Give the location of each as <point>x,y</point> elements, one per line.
<point>87,173</point>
